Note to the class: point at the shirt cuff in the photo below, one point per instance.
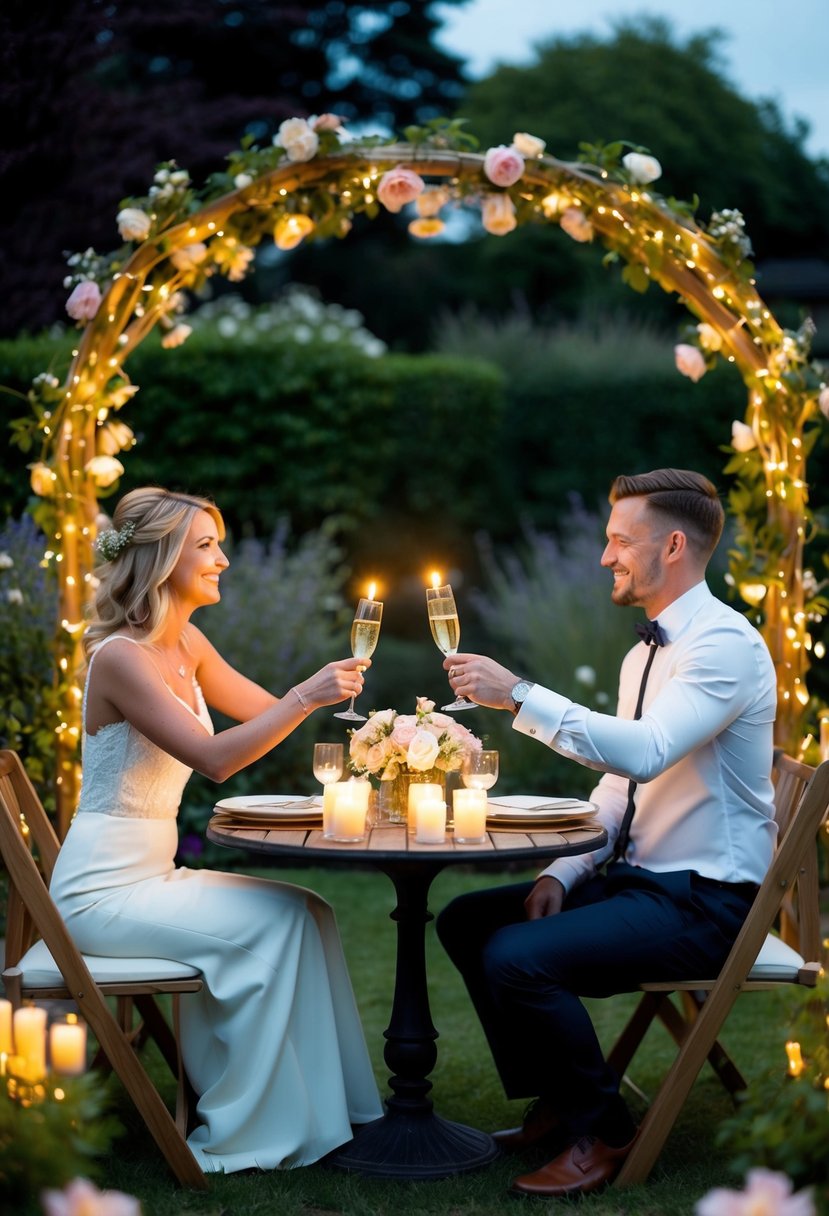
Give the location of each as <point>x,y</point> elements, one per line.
<point>567,871</point>
<point>541,714</point>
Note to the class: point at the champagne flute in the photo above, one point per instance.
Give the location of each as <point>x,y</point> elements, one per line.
<point>328,762</point>
<point>479,770</point>
<point>365,630</point>
<point>446,630</point>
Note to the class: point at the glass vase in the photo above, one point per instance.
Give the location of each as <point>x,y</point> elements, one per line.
<point>393,796</point>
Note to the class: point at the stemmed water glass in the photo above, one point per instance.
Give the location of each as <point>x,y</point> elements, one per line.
<point>446,631</point>
<point>365,630</point>
<point>479,770</point>
<point>328,762</point>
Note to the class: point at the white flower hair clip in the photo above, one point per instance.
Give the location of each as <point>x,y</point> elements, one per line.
<point>113,541</point>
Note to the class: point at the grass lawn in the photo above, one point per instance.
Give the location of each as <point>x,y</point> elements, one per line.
<point>466,1088</point>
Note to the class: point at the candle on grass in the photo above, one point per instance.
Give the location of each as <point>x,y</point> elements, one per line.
<point>6,1042</point>
<point>30,1039</point>
<point>67,1047</point>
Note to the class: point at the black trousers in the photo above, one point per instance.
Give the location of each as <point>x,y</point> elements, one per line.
<point>615,931</point>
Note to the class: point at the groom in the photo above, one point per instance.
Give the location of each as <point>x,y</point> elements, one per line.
<point>686,798</point>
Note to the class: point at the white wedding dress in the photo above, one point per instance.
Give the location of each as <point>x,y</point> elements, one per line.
<point>273,1044</point>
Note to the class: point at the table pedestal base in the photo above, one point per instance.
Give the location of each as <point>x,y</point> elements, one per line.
<point>416,1146</point>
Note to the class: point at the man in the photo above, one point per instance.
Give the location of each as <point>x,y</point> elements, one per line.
<point>693,771</point>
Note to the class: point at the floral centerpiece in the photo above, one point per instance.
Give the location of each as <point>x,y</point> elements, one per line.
<point>392,744</point>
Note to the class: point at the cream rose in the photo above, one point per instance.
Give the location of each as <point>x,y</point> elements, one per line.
<point>576,224</point>
<point>690,361</point>
<point>189,257</point>
<point>399,186</point>
<point>42,480</point>
<point>104,470</point>
<point>299,140</point>
<point>528,145</point>
<point>133,224</point>
<point>742,437</point>
<point>503,166</point>
<point>710,338</point>
<point>498,214</point>
<point>113,437</point>
<point>423,751</point>
<point>84,301</point>
<point>177,336</point>
<point>642,169</point>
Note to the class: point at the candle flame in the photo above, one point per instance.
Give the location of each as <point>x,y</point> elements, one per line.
<point>372,587</point>
<point>435,576</point>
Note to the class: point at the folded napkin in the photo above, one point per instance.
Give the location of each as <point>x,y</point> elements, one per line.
<point>532,803</point>
<point>294,804</point>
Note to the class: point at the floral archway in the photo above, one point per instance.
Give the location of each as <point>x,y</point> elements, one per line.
<point>311,183</point>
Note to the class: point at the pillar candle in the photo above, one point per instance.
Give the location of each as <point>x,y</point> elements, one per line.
<point>6,1042</point>
<point>30,1039</point>
<point>328,797</point>
<point>430,822</point>
<point>421,791</point>
<point>470,815</point>
<point>67,1048</point>
<point>349,814</point>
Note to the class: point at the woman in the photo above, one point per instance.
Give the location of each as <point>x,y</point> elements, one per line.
<point>273,1044</point>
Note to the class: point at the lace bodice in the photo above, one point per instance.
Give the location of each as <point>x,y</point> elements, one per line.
<point>126,775</point>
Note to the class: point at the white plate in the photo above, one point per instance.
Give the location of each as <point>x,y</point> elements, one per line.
<point>271,806</point>
<point>522,806</point>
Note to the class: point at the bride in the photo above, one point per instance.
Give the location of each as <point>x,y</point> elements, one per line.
<point>273,1044</point>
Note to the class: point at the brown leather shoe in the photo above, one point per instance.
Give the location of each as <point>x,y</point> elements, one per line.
<point>540,1125</point>
<point>581,1168</point>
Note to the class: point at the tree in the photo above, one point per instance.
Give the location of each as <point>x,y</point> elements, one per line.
<point>95,94</point>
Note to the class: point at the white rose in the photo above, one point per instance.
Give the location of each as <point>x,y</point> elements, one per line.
<point>576,224</point>
<point>642,169</point>
<point>6,561</point>
<point>423,751</point>
<point>690,361</point>
<point>710,338</point>
<point>177,335</point>
<point>241,180</point>
<point>742,437</point>
<point>14,595</point>
<point>104,470</point>
<point>528,145</point>
<point>189,257</point>
<point>823,402</point>
<point>299,140</point>
<point>498,214</point>
<point>133,224</point>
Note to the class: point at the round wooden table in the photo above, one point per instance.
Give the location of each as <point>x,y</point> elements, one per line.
<point>410,1141</point>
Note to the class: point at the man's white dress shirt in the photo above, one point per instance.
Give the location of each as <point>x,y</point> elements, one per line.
<point>701,753</point>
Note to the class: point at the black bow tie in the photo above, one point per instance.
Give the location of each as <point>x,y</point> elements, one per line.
<point>651,633</point>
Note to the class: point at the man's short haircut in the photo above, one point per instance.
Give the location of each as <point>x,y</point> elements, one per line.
<point>686,500</point>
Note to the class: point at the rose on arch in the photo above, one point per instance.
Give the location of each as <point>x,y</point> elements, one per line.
<point>299,140</point>
<point>528,145</point>
<point>133,224</point>
<point>823,402</point>
<point>290,230</point>
<point>503,166</point>
<point>113,437</point>
<point>710,338</point>
<point>177,336</point>
<point>104,470</point>
<point>189,256</point>
<point>82,1198</point>
<point>399,186</point>
<point>241,180</point>
<point>430,202</point>
<point>84,301</point>
<point>426,227</point>
<point>642,168</point>
<point>743,438</point>
<point>576,224</point>
<point>120,394</point>
<point>498,214</point>
<point>232,258</point>
<point>690,361</point>
<point>327,122</point>
<point>767,1193</point>
<point>42,480</point>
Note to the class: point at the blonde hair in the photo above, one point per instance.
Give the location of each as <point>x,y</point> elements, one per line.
<point>133,590</point>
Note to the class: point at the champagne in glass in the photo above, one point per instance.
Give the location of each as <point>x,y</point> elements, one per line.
<point>446,630</point>
<point>365,630</point>
<point>479,770</point>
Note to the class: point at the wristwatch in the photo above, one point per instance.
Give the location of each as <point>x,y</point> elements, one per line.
<point>519,694</point>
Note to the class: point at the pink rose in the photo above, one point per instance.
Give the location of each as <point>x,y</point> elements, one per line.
<point>82,1198</point>
<point>84,301</point>
<point>503,166</point>
<point>766,1192</point>
<point>399,186</point>
<point>690,361</point>
<point>328,122</point>
<point>403,733</point>
<point>576,224</point>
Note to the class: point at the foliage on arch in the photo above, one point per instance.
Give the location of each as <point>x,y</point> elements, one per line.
<point>310,184</point>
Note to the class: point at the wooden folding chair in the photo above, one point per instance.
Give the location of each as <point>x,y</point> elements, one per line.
<point>759,961</point>
<point>53,968</point>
